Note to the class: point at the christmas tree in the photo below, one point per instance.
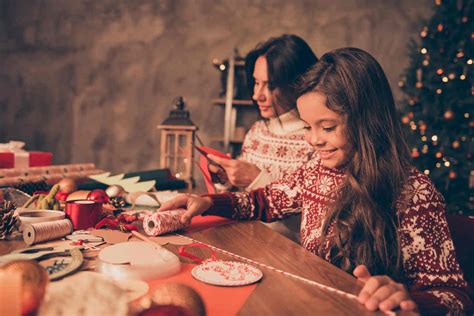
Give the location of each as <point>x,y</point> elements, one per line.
<point>438,107</point>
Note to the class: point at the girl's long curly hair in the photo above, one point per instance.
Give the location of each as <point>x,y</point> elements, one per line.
<point>364,220</point>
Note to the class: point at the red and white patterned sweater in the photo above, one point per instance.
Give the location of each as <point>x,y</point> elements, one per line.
<point>433,274</point>
<point>277,147</point>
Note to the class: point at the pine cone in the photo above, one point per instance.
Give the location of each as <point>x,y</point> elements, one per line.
<point>7,219</point>
<point>118,202</point>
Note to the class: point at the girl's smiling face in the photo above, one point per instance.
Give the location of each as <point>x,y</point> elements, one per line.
<point>324,130</point>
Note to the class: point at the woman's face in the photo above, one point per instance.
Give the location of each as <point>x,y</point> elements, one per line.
<point>324,130</point>
<point>261,94</point>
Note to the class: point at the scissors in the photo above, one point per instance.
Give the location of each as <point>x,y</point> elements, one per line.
<point>215,177</point>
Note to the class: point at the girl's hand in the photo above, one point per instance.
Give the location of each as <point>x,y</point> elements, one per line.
<point>194,205</point>
<point>240,173</point>
<point>381,292</point>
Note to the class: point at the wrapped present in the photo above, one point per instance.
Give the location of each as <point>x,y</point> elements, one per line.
<point>12,155</point>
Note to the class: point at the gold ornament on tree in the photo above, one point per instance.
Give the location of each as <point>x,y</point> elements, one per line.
<point>419,74</point>
<point>448,114</point>
<point>423,126</point>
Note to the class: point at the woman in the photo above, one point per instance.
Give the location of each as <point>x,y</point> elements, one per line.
<point>274,147</point>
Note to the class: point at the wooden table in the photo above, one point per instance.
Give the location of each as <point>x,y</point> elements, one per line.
<point>275,294</point>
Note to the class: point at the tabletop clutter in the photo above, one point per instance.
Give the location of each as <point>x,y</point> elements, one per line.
<point>90,247</point>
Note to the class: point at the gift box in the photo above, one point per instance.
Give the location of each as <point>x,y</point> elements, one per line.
<point>13,156</point>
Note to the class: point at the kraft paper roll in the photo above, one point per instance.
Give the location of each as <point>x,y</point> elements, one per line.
<point>35,233</point>
<point>159,223</point>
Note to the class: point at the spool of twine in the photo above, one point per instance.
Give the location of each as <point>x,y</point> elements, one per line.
<point>159,223</point>
<point>38,232</point>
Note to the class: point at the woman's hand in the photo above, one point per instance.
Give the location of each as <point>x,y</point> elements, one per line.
<point>240,173</point>
<point>194,205</point>
<point>381,292</point>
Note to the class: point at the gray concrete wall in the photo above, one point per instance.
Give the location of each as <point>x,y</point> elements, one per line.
<point>89,80</point>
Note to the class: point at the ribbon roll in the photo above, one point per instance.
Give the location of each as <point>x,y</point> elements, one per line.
<point>35,233</point>
<point>159,223</point>
<point>83,214</point>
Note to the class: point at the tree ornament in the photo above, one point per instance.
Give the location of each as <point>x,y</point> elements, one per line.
<point>448,114</point>
<point>405,119</point>
<point>114,191</point>
<point>424,32</point>
<point>8,219</point>
<point>452,175</point>
<point>438,155</point>
<point>456,144</point>
<point>415,153</point>
<point>422,127</point>
<point>411,115</point>
<point>440,27</point>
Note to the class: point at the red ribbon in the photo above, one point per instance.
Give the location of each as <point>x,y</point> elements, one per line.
<point>83,214</point>
<point>182,252</point>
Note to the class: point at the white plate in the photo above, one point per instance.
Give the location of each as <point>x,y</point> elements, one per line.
<point>227,273</point>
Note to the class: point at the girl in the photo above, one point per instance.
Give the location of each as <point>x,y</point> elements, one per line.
<point>364,207</point>
<point>275,146</point>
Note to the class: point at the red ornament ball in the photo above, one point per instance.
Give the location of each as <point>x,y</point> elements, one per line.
<point>98,195</point>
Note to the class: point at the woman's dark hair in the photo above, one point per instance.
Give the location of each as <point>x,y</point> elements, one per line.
<point>364,216</point>
<point>288,57</point>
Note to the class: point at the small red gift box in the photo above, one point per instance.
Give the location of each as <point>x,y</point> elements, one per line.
<point>25,159</point>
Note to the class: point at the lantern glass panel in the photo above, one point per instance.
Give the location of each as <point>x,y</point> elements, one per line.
<point>170,143</point>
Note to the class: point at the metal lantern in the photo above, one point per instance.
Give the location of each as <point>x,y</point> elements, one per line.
<point>177,143</point>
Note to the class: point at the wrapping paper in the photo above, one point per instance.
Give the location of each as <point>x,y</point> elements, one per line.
<point>25,159</point>
<point>159,223</point>
<point>47,170</point>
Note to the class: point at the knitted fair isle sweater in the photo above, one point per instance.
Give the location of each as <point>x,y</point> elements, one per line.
<point>433,275</point>
<point>277,147</point>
